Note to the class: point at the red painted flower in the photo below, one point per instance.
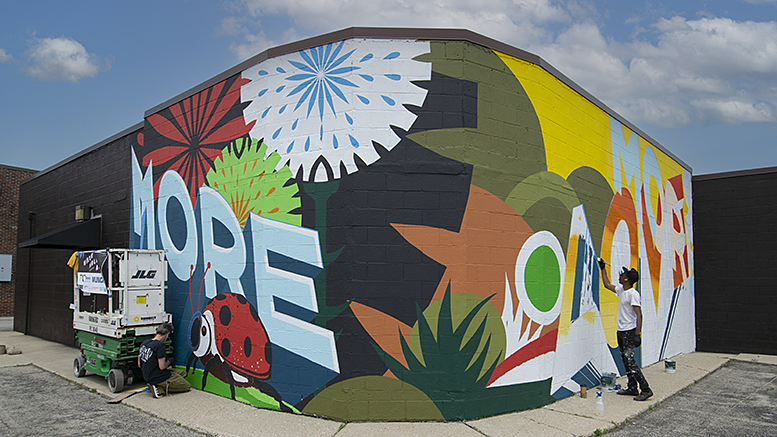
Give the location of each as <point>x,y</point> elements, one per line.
<point>194,132</point>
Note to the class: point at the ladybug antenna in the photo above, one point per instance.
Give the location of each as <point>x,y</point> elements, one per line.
<point>201,282</point>
<point>191,273</point>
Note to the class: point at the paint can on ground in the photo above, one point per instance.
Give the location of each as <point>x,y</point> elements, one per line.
<point>670,366</point>
<point>608,381</point>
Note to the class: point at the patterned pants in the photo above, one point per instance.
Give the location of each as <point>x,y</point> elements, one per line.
<point>627,345</point>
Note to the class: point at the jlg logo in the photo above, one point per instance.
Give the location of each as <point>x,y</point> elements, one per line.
<point>142,274</point>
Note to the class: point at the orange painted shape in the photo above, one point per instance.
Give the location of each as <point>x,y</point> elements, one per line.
<point>525,322</point>
<point>534,327</point>
<point>676,222</point>
<point>481,254</point>
<point>677,183</point>
<point>621,209</point>
<point>678,271</point>
<point>383,329</point>
<point>653,254</point>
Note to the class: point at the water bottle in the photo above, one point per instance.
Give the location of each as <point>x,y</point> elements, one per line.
<point>599,404</point>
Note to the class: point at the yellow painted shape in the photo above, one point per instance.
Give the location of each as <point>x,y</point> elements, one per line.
<point>632,183</point>
<point>565,317</point>
<point>626,133</point>
<point>668,167</point>
<point>576,132</point>
<point>608,308</point>
<point>590,317</point>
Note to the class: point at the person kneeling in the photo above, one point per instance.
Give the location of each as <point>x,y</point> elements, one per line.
<point>157,368</point>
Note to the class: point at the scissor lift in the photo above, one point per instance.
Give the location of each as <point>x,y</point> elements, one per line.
<point>117,305</point>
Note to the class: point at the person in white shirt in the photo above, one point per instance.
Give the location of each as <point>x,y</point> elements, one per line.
<point>629,328</point>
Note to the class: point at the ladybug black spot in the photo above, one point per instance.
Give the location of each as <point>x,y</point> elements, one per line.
<point>220,297</point>
<point>226,347</point>
<point>247,347</point>
<point>254,314</point>
<point>225,315</point>
<point>241,299</point>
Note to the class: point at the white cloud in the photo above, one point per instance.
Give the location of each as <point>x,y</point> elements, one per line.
<point>673,24</point>
<point>672,73</point>
<point>61,59</point>
<point>710,70</point>
<point>734,111</point>
<point>254,44</point>
<point>518,22</point>
<point>5,57</point>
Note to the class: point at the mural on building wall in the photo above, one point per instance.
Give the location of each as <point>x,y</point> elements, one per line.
<point>407,230</point>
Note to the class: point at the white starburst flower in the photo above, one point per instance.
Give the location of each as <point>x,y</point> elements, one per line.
<point>321,106</point>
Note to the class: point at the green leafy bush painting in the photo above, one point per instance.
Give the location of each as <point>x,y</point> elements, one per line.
<point>453,367</point>
<point>250,183</point>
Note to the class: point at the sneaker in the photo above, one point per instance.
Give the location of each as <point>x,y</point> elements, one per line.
<point>629,392</point>
<point>155,392</point>
<point>644,395</point>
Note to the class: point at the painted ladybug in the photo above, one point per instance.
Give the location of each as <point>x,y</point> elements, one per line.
<point>229,339</point>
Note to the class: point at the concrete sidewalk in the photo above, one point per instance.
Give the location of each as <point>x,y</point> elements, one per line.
<point>217,415</point>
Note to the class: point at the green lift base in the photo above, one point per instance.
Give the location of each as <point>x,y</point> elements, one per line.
<point>115,359</point>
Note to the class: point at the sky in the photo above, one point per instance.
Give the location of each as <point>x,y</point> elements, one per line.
<point>699,77</point>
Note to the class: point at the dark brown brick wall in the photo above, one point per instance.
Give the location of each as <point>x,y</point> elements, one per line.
<point>735,240</point>
<point>10,179</point>
<point>100,179</point>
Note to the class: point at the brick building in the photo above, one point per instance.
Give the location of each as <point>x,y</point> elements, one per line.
<point>10,179</point>
<point>402,224</point>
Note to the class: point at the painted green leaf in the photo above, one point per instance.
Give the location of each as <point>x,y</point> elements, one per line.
<point>250,183</point>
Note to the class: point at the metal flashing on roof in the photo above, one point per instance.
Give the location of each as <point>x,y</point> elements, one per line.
<point>11,167</point>
<point>737,173</point>
<point>411,33</point>
<point>112,138</point>
<point>80,235</point>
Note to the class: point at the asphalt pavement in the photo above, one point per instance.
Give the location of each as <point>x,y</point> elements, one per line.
<point>745,390</point>
<point>739,399</point>
<point>38,403</point>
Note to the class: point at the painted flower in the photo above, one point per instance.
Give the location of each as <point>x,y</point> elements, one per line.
<point>321,107</point>
<point>191,134</point>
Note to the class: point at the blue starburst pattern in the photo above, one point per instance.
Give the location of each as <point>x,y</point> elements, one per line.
<point>333,101</point>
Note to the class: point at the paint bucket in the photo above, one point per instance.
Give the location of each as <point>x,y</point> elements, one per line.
<point>670,366</point>
<point>608,381</point>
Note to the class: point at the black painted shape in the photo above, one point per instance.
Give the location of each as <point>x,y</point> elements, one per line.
<point>450,103</point>
<point>222,237</point>
<point>408,185</point>
<point>282,262</point>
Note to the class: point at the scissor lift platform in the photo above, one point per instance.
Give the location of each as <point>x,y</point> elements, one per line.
<point>118,302</point>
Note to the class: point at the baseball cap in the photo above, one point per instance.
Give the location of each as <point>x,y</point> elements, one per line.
<point>632,274</point>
